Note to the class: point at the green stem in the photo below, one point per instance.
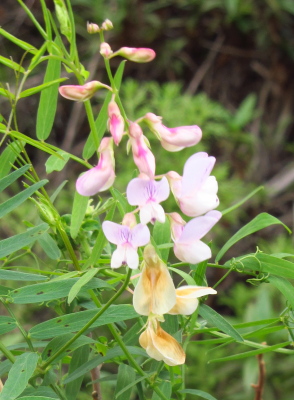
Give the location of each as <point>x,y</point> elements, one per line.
<point>88,325</point>
<point>7,353</point>
<point>58,391</point>
<point>223,277</point>
<point>23,332</point>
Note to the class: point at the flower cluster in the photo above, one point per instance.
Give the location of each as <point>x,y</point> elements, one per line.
<point>195,193</point>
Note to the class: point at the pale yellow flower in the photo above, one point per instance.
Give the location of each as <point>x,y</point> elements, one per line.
<point>187,299</point>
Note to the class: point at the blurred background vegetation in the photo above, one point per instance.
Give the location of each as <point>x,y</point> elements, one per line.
<point>225,65</point>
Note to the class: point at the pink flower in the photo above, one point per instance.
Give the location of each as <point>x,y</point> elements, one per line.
<point>102,176</point>
<point>173,139</point>
<point>143,157</point>
<point>188,247</point>
<point>139,55</point>
<point>115,122</point>
<point>155,291</point>
<point>160,345</point>
<point>196,191</point>
<point>81,93</point>
<point>105,50</point>
<point>187,299</point>
<point>127,239</point>
<point>147,194</point>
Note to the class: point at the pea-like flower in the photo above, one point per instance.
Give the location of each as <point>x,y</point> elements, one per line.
<point>155,291</point>
<point>128,237</point>
<point>187,244</point>
<point>187,299</point>
<point>173,139</point>
<point>82,92</point>
<point>196,191</point>
<point>101,177</point>
<point>160,345</point>
<point>147,194</point>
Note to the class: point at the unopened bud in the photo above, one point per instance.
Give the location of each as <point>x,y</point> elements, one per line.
<point>139,55</point>
<point>129,220</point>
<point>81,93</point>
<point>105,50</point>
<point>107,25</point>
<point>92,28</point>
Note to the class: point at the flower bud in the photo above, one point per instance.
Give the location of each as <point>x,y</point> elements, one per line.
<point>105,50</point>
<point>92,28</point>
<point>101,177</point>
<point>136,54</point>
<point>116,122</point>
<point>143,157</point>
<point>81,93</point>
<point>107,25</point>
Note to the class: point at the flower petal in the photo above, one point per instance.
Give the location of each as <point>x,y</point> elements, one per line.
<point>132,258</point>
<point>115,233</point>
<point>118,257</point>
<point>140,235</point>
<point>187,301</point>
<point>196,228</point>
<point>192,253</point>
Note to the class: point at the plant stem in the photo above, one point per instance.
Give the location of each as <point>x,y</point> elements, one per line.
<point>7,353</point>
<point>88,325</point>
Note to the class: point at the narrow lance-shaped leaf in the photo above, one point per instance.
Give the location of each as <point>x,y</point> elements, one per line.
<point>11,64</point>
<point>262,220</point>
<point>80,283</point>
<point>79,209</point>
<point>7,324</point>
<point>284,286</point>
<point>18,199</point>
<point>8,156</point>
<point>9,179</point>
<point>126,375</point>
<point>20,43</point>
<point>57,163</point>
<point>37,89</point>
<point>48,100</point>
<point>79,357</point>
<point>198,393</point>
<point>49,246</point>
<point>19,375</point>
<point>17,242</point>
<point>218,321</point>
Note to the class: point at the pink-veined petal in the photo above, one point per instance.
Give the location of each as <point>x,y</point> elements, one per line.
<point>115,233</point>
<point>196,170</point>
<point>198,227</point>
<point>118,257</point>
<point>140,191</point>
<point>95,180</point>
<point>140,235</point>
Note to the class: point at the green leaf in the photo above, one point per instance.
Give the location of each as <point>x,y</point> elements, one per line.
<point>199,393</point>
<point>133,383</point>
<point>111,354</point>
<point>20,276</point>
<point>245,113</point>
<point>19,375</point>
<point>18,199</point>
<point>265,264</point>
<point>262,220</point>
<point>20,43</point>
<point>215,319</point>
<point>57,163</point>
<point>101,121</point>
<point>51,290</point>
<point>79,357</point>
<point>165,388</point>
<point>58,342</point>
<point>123,205</point>
<point>11,64</point>
<point>161,235</point>
<point>184,275</point>
<point>284,286</point>
<point>17,242</point>
<point>48,100</point>
<point>80,283</point>
<point>79,209</point>
<point>74,322</point>
<point>7,324</point>
<point>36,398</point>
<point>126,375</point>
<point>8,157</point>
<point>49,246</point>
<point>37,89</point>
<point>8,180</point>
<point>251,353</point>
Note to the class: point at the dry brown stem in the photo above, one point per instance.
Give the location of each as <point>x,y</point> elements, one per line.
<point>261,379</point>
